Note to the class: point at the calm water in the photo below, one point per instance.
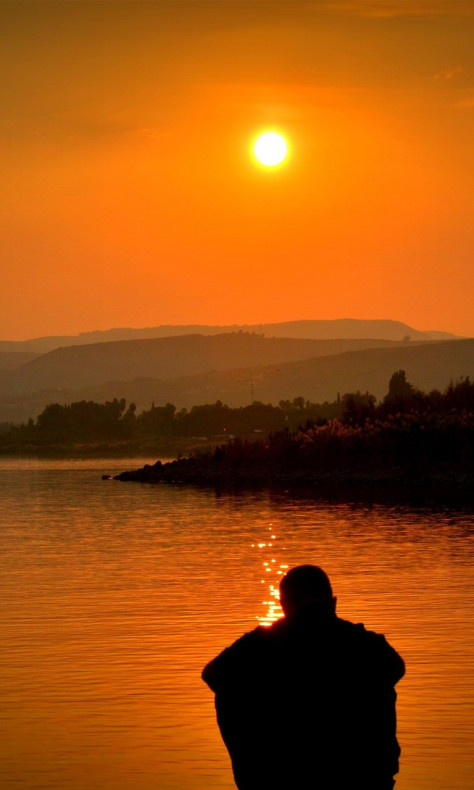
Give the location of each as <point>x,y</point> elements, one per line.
<point>114,595</point>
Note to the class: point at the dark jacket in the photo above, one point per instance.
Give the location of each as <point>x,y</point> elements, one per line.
<point>308,703</point>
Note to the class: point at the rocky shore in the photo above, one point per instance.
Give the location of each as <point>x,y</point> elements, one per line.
<point>395,484</point>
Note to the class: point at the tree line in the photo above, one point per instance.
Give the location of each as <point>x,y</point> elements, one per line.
<point>413,439</point>
<point>85,422</point>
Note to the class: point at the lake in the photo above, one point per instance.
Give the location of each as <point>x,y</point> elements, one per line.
<point>114,596</point>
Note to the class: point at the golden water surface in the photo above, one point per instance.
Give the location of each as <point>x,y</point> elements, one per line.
<point>113,596</point>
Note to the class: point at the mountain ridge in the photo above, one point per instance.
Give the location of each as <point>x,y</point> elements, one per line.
<point>329,329</point>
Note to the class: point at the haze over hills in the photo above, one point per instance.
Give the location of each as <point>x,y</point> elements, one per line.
<point>9,360</point>
<point>428,365</point>
<point>342,329</point>
<point>164,358</point>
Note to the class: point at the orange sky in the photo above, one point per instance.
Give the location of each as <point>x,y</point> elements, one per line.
<point>130,197</point>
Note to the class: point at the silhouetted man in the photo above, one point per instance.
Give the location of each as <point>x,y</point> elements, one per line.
<point>309,702</point>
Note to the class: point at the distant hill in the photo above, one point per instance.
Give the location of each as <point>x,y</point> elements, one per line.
<point>428,366</point>
<point>9,360</point>
<point>163,358</point>
<point>339,329</point>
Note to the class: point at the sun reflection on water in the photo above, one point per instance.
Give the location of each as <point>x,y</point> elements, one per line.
<point>275,570</point>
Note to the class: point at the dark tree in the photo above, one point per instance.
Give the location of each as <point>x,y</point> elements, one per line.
<point>399,387</point>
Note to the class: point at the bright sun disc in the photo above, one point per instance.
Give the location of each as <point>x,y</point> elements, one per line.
<point>270,149</point>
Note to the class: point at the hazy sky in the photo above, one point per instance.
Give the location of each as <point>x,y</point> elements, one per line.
<point>130,196</point>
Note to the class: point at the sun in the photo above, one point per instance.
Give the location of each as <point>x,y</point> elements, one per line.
<point>270,149</point>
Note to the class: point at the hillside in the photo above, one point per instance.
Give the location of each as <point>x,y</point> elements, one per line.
<point>9,360</point>
<point>428,366</point>
<point>163,358</point>
<point>342,329</point>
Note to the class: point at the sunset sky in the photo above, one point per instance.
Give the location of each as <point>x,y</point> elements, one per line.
<point>131,197</point>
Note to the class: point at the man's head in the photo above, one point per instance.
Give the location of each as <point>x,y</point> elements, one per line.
<point>306,584</point>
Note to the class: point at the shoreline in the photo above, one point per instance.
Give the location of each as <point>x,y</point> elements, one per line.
<point>396,485</point>
<point>101,450</point>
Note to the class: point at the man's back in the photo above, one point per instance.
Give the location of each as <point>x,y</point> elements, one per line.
<point>309,703</point>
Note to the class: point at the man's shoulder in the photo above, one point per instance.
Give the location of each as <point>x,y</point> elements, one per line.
<point>249,641</point>
<point>372,647</point>
<point>335,637</point>
<point>254,640</point>
<point>357,630</point>
<point>238,660</point>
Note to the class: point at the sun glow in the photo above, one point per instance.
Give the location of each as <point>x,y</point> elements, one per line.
<point>270,149</point>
